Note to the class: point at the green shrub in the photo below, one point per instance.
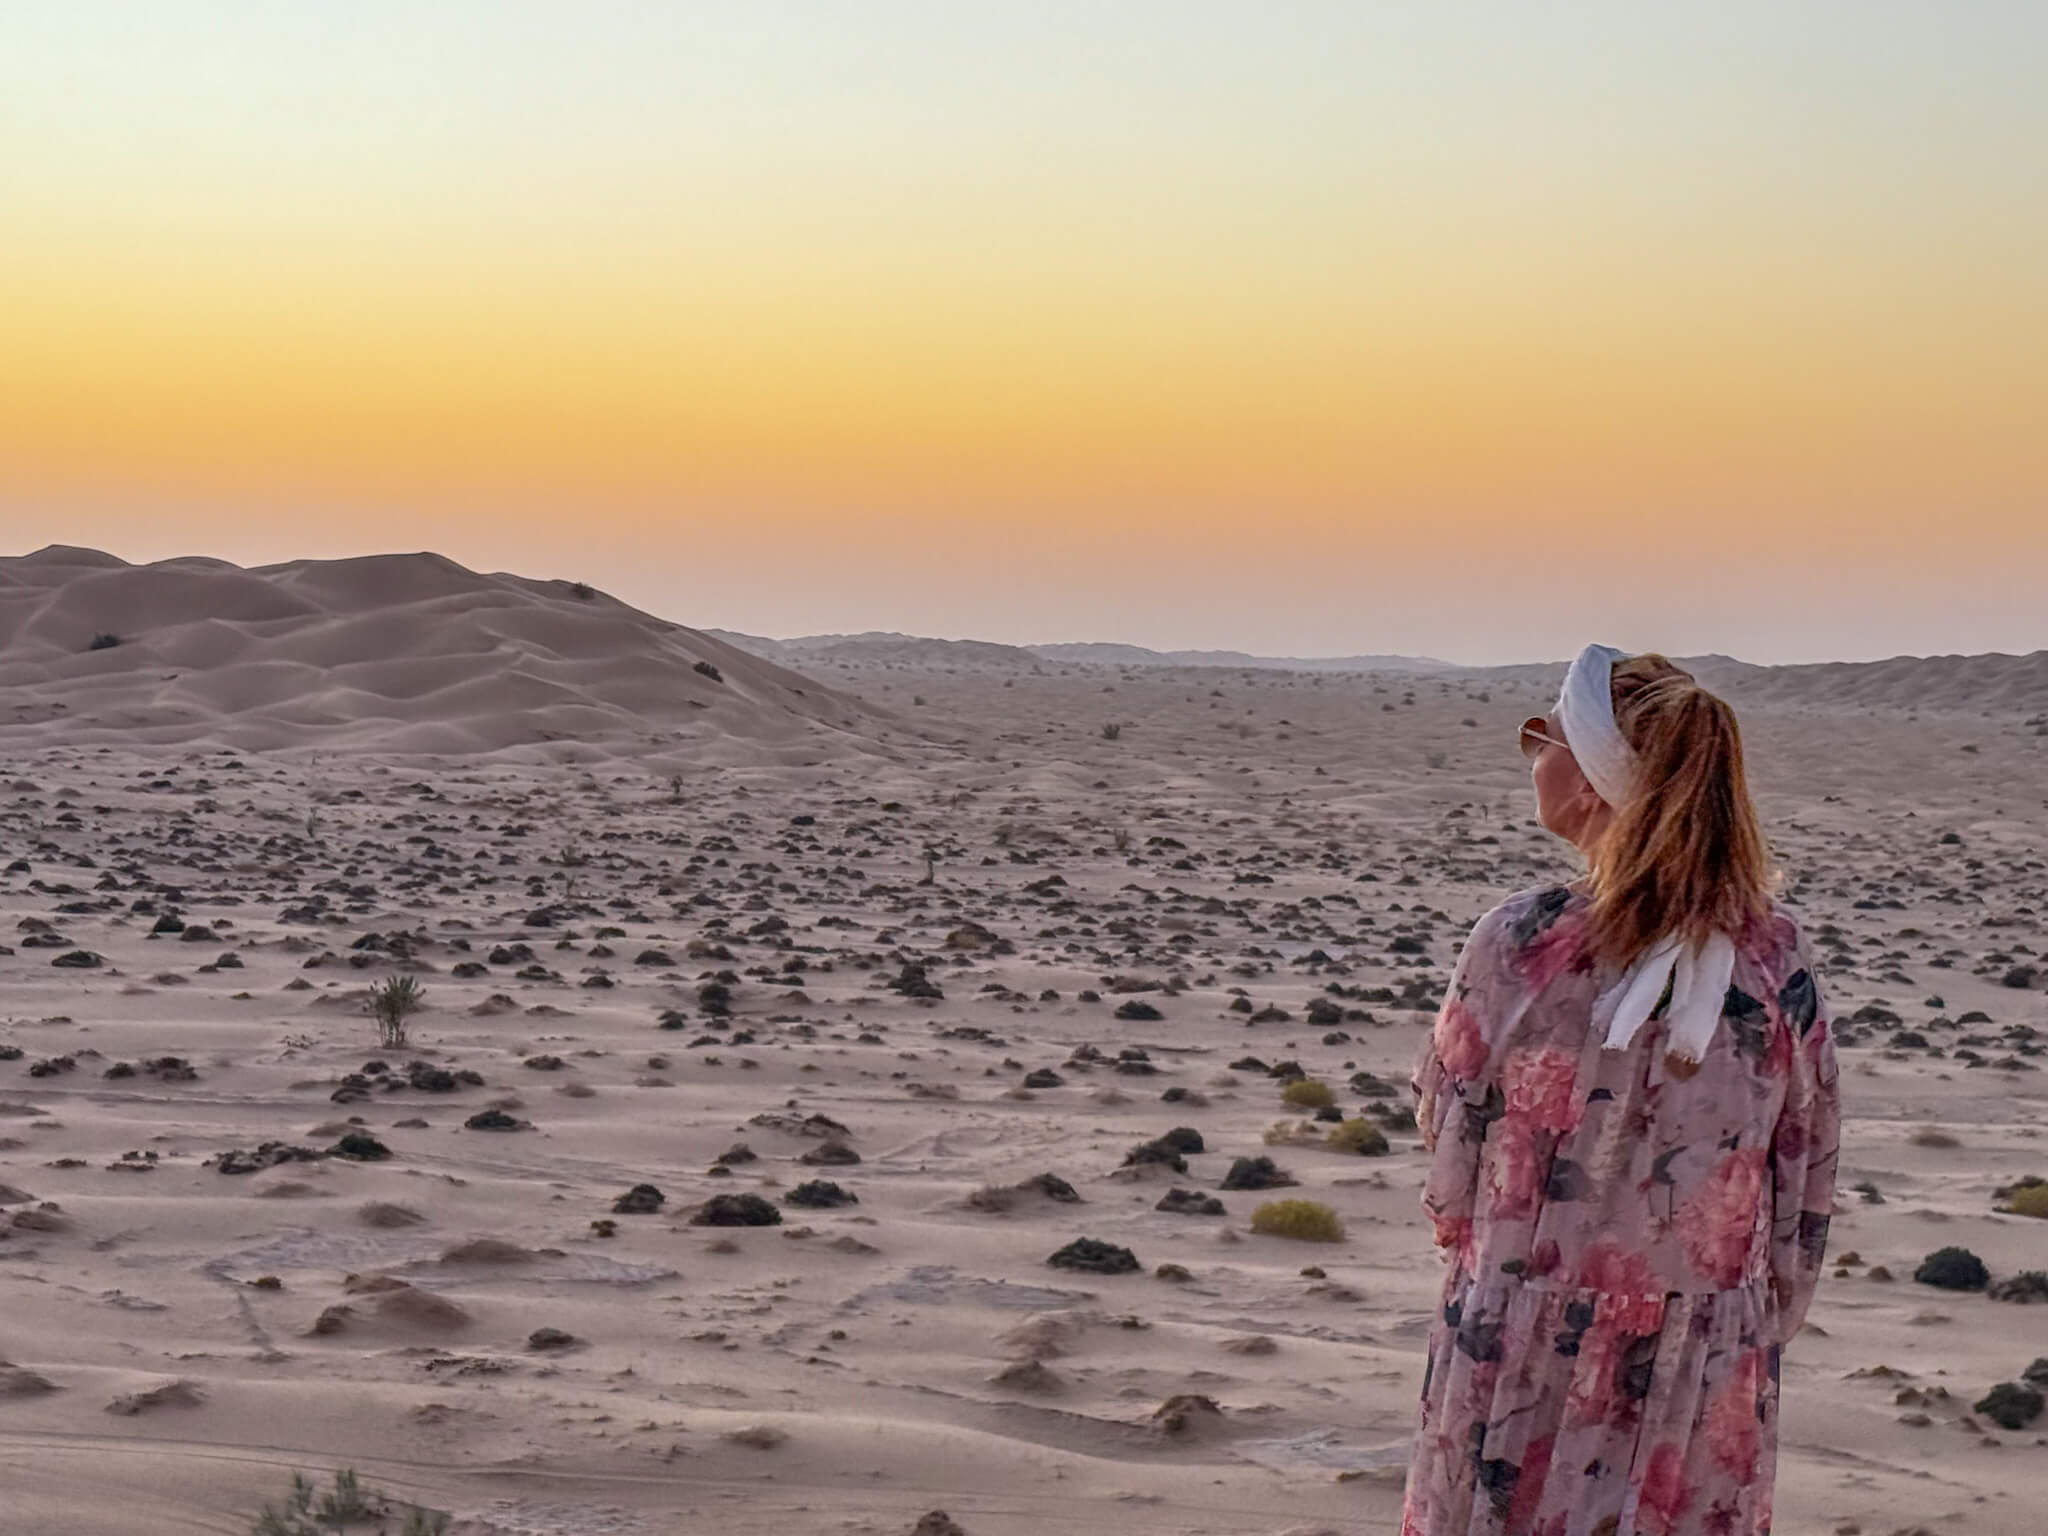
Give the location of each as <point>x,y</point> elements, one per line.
<point>1360,1136</point>
<point>1307,1221</point>
<point>391,1002</point>
<point>1308,1093</point>
<point>307,1512</point>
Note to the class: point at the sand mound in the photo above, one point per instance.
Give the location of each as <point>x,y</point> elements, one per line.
<point>488,1250</point>
<point>171,1394</point>
<point>386,1213</point>
<point>18,1381</point>
<point>384,1299</point>
<point>402,654</point>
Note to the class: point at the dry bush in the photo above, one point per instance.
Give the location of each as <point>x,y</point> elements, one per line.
<point>1292,1133</point>
<point>1360,1136</point>
<point>2028,1197</point>
<point>1308,1093</point>
<point>1308,1221</point>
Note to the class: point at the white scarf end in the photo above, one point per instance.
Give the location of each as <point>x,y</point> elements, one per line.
<point>1699,975</point>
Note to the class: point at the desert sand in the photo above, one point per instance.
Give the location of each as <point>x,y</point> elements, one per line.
<point>909,947</point>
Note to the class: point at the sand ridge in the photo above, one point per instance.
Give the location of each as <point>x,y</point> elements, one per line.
<point>401,654</point>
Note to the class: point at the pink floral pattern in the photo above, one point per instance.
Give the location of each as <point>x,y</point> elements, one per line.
<point>1665,1492</point>
<point>1513,1171</point>
<point>1631,1243</point>
<point>1719,1227</point>
<point>1459,1043</point>
<point>1539,1087</point>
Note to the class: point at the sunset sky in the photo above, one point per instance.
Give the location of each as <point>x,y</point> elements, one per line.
<point>1475,331</point>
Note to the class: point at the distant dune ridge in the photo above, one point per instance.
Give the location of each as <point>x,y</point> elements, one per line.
<point>406,654</point>
<point>881,648</point>
<point>1993,681</point>
<point>413,654</point>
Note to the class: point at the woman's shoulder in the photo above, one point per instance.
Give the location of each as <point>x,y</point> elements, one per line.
<point>1535,908</point>
<point>1777,938</point>
<point>1529,916</point>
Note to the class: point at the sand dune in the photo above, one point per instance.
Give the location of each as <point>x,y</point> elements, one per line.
<point>400,654</point>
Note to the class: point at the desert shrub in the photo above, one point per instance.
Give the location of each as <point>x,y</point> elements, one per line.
<point>392,1001</point>
<point>1308,1221</point>
<point>1112,732</point>
<point>1953,1269</point>
<point>103,642</point>
<point>1292,1133</point>
<point>1308,1093</point>
<point>582,591</point>
<point>1437,759</point>
<point>1155,1152</point>
<point>2028,1288</point>
<point>2029,1197</point>
<point>1360,1136</point>
<point>1257,1173</point>
<point>306,1511</point>
<point>706,669</point>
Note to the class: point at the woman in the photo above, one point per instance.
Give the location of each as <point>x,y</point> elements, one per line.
<point>1630,1098</point>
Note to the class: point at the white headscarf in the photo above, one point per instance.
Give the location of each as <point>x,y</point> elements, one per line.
<point>1699,974</point>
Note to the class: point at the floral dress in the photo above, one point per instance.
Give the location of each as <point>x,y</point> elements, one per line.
<point>1632,1238</point>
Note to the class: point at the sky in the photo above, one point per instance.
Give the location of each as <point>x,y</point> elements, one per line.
<point>1472,331</point>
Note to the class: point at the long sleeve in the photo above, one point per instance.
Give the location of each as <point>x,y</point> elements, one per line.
<point>1805,1152</point>
<point>1452,1082</point>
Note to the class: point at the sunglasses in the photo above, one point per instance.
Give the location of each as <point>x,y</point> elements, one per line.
<point>1535,736</point>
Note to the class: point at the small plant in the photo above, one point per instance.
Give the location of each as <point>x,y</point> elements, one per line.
<point>1307,1221</point>
<point>2028,1197</point>
<point>675,789</point>
<point>706,669</point>
<point>307,1511</point>
<point>1359,1136</point>
<point>1291,1133</point>
<point>103,642</point>
<point>1111,732</point>
<point>1308,1093</point>
<point>392,1001</point>
<point>1122,839</point>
